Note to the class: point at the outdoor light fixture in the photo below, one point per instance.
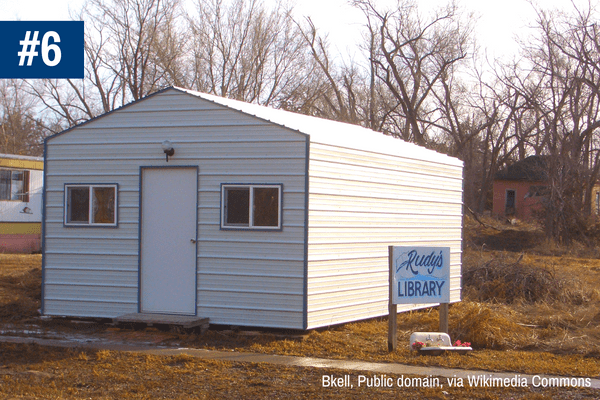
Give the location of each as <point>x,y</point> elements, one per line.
<point>26,210</point>
<point>168,149</point>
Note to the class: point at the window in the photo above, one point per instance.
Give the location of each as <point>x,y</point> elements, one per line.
<point>90,205</point>
<point>251,206</point>
<point>14,185</point>
<point>510,202</point>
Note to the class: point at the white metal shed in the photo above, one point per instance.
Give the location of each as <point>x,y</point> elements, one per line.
<point>261,217</point>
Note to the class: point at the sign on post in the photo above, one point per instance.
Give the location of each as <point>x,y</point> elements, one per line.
<point>421,275</point>
<point>418,275</point>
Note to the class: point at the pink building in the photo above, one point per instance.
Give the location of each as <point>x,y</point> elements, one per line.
<point>520,188</point>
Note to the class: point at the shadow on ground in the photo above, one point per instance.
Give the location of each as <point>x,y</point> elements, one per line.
<point>510,240</point>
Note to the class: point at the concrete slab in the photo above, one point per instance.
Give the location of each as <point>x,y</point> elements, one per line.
<point>185,321</point>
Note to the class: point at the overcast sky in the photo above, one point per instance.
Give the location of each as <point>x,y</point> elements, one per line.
<point>496,25</point>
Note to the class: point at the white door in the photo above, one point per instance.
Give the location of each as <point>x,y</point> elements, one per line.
<point>168,240</point>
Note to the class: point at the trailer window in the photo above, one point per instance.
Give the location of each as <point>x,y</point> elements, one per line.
<point>90,205</point>
<point>251,206</point>
<point>14,185</point>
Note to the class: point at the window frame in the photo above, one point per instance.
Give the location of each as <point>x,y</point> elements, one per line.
<point>251,187</point>
<point>89,223</point>
<point>514,199</point>
<point>24,196</point>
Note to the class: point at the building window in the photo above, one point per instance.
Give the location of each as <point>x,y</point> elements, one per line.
<point>14,185</point>
<point>90,205</point>
<point>251,206</point>
<point>510,205</point>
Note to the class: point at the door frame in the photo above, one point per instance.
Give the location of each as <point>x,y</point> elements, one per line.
<point>506,191</point>
<point>149,167</point>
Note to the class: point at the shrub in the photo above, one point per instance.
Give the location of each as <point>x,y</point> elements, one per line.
<point>503,281</point>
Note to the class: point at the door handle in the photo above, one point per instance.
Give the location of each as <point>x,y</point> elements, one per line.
<point>193,241</point>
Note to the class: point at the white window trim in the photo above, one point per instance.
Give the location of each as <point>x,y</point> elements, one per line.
<point>250,225</point>
<point>90,205</point>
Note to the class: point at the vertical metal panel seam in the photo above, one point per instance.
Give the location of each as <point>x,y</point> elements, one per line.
<point>196,255</point>
<point>462,229</point>
<point>139,305</point>
<point>44,184</point>
<point>306,196</point>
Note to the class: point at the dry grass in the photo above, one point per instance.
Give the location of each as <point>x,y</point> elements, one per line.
<point>368,341</point>
<point>553,302</point>
<point>526,311</point>
<point>34,372</point>
<point>505,278</point>
<point>20,286</point>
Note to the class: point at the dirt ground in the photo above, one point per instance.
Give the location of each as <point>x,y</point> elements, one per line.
<point>529,310</point>
<point>34,372</point>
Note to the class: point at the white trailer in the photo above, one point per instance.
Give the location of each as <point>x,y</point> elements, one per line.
<point>21,181</point>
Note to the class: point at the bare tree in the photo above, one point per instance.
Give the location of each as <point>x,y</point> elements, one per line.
<point>21,132</point>
<point>412,56</point>
<point>563,86</point>
<point>144,44</point>
<point>244,51</point>
<point>132,48</point>
<point>336,90</point>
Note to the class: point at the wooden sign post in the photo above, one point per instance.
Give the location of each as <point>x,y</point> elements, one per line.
<point>443,317</point>
<point>393,310</point>
<point>418,275</point>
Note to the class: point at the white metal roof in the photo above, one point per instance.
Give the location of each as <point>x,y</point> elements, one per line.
<point>18,157</point>
<point>332,132</point>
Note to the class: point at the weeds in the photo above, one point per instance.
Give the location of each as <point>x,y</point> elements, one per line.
<point>504,281</point>
<point>529,302</point>
<point>526,312</point>
<point>488,326</point>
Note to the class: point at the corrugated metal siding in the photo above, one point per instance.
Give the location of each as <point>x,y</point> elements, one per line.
<point>244,277</point>
<point>361,202</point>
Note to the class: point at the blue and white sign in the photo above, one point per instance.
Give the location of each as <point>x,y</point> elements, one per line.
<point>420,275</point>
